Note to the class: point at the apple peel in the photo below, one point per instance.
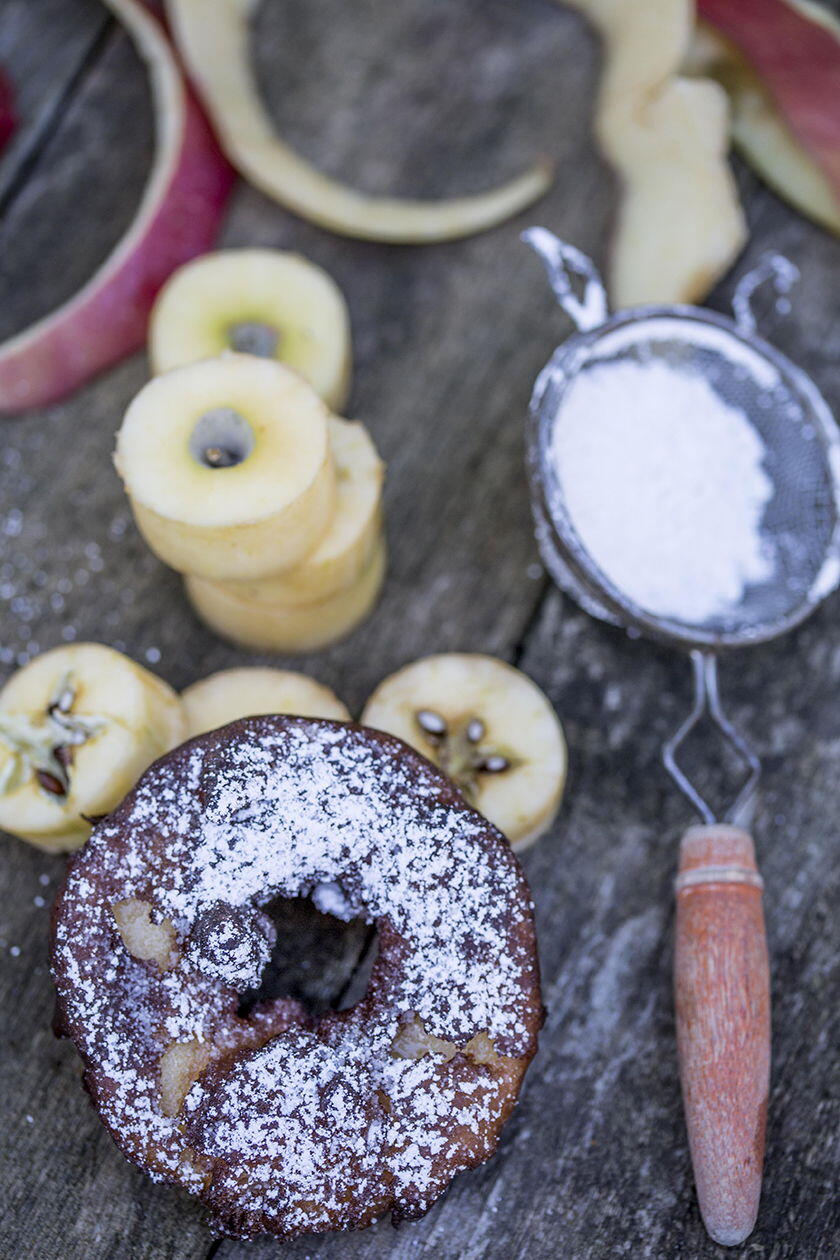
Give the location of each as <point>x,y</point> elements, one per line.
<point>178,217</point>
<point>8,114</point>
<point>779,60</point>
<point>680,223</point>
<point>213,40</point>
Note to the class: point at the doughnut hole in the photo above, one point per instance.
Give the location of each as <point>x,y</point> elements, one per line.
<point>323,955</point>
<point>289,950</point>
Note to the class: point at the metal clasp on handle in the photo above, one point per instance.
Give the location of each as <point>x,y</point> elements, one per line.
<point>771,266</point>
<point>563,264</point>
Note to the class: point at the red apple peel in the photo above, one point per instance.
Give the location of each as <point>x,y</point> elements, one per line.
<point>178,218</point>
<point>798,60</point>
<point>8,117</point>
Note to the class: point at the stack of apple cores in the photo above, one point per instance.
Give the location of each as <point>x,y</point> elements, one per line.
<point>239,473</point>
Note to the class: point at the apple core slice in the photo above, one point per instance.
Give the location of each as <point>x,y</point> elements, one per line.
<point>345,549</point>
<point>265,302</point>
<point>288,628</point>
<point>487,726</point>
<point>228,467</point>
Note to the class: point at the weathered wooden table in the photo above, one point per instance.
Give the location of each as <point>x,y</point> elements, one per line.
<point>425,98</point>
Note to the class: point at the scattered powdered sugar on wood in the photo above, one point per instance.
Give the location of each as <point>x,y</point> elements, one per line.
<point>321,1126</point>
<point>665,486</point>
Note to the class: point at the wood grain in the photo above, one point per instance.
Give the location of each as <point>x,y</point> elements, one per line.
<point>425,98</point>
<point>45,48</point>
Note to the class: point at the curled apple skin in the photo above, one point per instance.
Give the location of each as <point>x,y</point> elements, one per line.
<point>178,218</point>
<point>760,132</point>
<point>793,50</point>
<point>213,37</point>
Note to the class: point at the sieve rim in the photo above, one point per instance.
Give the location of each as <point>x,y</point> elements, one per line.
<point>602,597</point>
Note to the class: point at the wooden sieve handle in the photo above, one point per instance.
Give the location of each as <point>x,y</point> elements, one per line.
<point>722,991</point>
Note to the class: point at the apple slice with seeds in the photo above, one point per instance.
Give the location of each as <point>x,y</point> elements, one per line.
<point>78,726</point>
<point>487,726</point>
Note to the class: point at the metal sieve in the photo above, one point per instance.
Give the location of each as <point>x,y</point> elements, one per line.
<point>721,972</point>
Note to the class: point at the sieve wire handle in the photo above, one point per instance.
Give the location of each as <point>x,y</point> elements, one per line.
<point>722,993</point>
<point>564,264</point>
<point>773,267</point>
<point>709,706</point>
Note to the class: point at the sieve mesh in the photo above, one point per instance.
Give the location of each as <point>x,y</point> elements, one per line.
<point>800,523</point>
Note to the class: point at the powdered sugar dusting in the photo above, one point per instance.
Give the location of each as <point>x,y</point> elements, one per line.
<point>665,486</point>
<point>321,1127</point>
<point>329,899</point>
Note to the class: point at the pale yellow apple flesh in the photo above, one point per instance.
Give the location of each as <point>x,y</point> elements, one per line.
<point>679,224</point>
<point>214,41</point>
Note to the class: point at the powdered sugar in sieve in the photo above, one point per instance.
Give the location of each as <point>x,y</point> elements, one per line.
<point>685,475</point>
<point>665,485</point>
